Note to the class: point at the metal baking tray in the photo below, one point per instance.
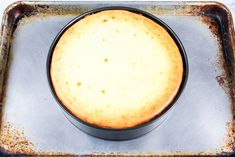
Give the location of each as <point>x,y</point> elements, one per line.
<point>203,120</point>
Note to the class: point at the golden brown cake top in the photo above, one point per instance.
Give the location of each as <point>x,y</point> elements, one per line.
<point>116,69</point>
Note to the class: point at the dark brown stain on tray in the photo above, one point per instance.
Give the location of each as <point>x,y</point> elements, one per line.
<point>221,80</point>
<point>43,6</point>
<point>18,12</point>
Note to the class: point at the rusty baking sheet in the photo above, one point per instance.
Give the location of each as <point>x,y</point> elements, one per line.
<point>33,124</point>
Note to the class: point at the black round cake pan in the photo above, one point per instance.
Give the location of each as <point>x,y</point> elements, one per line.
<point>129,133</point>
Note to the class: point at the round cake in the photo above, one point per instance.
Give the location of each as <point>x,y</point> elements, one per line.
<point>116,69</point>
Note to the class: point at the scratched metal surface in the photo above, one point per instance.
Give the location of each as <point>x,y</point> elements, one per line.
<point>202,113</point>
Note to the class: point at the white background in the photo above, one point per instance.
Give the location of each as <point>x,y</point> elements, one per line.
<point>229,3</point>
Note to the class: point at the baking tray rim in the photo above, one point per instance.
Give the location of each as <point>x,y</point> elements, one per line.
<point>5,46</point>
